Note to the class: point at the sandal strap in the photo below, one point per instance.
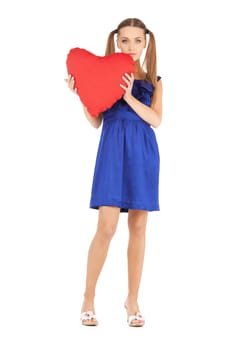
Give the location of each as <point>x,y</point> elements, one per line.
<point>137,317</point>
<point>87,315</point>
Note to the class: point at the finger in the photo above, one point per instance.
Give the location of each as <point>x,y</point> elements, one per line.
<point>123,87</point>
<point>70,78</point>
<point>125,79</point>
<point>128,76</point>
<point>71,84</point>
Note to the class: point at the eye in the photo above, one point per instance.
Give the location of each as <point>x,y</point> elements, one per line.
<point>124,41</point>
<point>138,41</point>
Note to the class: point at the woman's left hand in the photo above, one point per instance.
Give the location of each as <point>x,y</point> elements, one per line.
<point>128,79</point>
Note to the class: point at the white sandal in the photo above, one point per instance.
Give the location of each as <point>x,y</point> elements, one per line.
<point>88,318</point>
<point>137,317</point>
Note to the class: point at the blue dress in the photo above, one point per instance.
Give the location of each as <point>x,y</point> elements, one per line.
<point>126,172</point>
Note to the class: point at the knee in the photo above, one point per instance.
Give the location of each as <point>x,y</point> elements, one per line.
<point>137,229</point>
<point>106,232</point>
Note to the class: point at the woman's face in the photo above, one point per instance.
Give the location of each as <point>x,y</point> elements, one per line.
<point>131,40</point>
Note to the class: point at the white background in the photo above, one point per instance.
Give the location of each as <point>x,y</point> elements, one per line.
<point>48,151</point>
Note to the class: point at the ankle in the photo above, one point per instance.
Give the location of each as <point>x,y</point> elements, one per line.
<point>131,304</point>
<point>88,303</point>
<point>132,298</point>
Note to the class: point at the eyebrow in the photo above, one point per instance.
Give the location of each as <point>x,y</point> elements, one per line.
<point>137,37</point>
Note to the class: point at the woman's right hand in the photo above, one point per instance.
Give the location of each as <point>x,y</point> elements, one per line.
<point>70,83</point>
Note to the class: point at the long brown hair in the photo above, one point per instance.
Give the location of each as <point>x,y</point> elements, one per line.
<point>150,62</point>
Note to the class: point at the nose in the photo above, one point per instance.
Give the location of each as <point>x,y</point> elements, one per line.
<point>131,47</point>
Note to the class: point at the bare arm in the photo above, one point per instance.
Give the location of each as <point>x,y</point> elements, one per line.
<point>95,122</point>
<point>153,114</point>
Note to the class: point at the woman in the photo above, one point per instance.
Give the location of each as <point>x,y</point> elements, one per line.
<point>126,177</point>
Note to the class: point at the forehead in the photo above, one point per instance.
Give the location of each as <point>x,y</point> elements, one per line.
<point>131,32</point>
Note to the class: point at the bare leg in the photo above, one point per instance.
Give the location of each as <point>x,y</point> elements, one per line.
<point>137,220</point>
<point>107,224</point>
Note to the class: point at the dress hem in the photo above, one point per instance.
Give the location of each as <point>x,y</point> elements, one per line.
<point>123,208</point>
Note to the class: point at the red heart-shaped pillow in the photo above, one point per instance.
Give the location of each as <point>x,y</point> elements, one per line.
<point>98,78</point>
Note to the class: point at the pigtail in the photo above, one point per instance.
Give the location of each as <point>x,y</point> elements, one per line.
<point>110,47</point>
<point>150,61</point>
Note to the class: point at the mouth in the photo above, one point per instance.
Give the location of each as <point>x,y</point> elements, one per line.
<point>133,55</point>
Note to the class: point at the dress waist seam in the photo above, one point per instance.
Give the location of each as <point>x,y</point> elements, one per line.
<point>126,120</point>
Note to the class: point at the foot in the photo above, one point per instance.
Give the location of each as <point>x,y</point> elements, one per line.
<point>88,316</point>
<point>134,316</point>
